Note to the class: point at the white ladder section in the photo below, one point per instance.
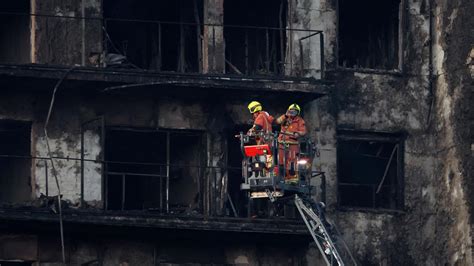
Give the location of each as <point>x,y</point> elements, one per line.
<point>319,233</point>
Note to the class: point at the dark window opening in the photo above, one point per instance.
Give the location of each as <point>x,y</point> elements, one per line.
<point>369,34</point>
<point>186,153</point>
<point>165,38</point>
<point>15,165</point>
<point>370,171</point>
<point>234,162</point>
<point>255,51</point>
<point>15,32</point>
<point>139,163</point>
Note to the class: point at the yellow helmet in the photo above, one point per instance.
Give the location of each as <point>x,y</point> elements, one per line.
<point>295,107</point>
<point>254,106</point>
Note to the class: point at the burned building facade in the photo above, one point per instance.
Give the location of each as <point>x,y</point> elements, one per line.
<point>131,110</point>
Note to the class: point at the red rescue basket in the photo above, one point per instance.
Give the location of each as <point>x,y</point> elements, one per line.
<point>254,150</point>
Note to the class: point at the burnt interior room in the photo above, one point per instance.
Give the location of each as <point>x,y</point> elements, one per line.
<point>15,32</point>
<point>255,50</point>
<point>15,163</point>
<point>155,35</point>
<point>186,158</point>
<point>369,34</point>
<point>139,162</point>
<point>369,173</point>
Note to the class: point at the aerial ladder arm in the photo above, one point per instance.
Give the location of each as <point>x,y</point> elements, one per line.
<point>318,231</point>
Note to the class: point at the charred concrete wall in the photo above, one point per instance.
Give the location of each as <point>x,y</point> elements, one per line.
<point>428,98</point>
<point>46,250</point>
<point>64,142</point>
<point>60,33</point>
<point>453,104</point>
<point>142,110</point>
<point>311,15</point>
<point>147,111</point>
<point>430,107</point>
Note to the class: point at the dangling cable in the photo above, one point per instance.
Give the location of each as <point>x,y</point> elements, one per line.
<point>50,155</point>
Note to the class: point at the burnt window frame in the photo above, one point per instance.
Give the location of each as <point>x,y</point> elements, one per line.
<point>275,40</point>
<point>165,28</point>
<point>402,28</point>
<point>398,138</point>
<point>167,167</point>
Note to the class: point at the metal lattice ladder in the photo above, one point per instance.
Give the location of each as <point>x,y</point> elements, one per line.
<point>319,233</point>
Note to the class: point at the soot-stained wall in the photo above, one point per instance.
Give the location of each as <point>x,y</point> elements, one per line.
<point>427,98</point>
<point>434,225</point>
<point>116,250</point>
<point>147,110</point>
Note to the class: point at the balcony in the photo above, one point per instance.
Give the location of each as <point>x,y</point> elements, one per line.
<point>158,197</point>
<point>162,53</point>
<point>133,177</point>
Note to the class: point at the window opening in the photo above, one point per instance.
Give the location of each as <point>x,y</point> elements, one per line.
<point>139,162</point>
<point>15,169</point>
<point>369,34</point>
<point>255,51</point>
<point>370,171</point>
<point>165,38</point>
<point>15,32</point>
<point>185,172</point>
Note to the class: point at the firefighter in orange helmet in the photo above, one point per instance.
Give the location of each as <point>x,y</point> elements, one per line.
<point>262,120</point>
<point>292,128</point>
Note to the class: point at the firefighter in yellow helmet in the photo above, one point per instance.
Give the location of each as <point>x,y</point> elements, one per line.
<point>262,121</point>
<point>292,128</point>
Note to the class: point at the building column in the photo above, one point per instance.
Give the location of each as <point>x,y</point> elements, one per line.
<point>213,37</point>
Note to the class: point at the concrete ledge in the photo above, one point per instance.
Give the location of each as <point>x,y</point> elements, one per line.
<point>145,220</point>
<point>107,77</point>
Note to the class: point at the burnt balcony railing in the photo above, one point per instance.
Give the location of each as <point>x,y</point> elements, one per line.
<point>171,189</point>
<point>160,46</point>
<point>165,188</point>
